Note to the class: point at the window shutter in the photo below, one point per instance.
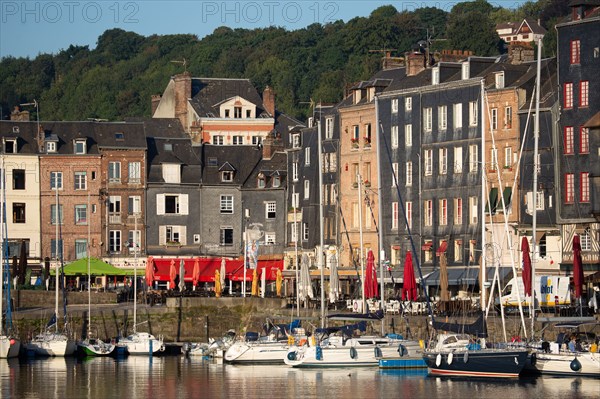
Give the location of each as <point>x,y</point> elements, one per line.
<point>160,204</point>
<point>162,235</point>
<point>182,234</point>
<point>183,204</point>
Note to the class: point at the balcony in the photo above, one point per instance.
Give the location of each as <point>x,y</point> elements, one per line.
<point>114,218</point>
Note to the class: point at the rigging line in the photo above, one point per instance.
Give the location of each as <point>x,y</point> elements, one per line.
<point>412,243</point>
<point>370,205</point>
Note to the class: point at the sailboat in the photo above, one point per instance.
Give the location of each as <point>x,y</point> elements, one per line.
<point>92,346</point>
<point>54,343</point>
<point>139,343</point>
<point>9,345</point>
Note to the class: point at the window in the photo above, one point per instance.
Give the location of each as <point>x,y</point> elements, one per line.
<point>539,204</point>
<point>394,174</point>
<point>114,241</point>
<point>494,159</point>
<point>135,172</point>
<point>271,210</point>
<point>18,212</point>
<point>394,105</point>
<point>168,147</point>
<point>458,211</point>
<point>427,245</point>
<point>408,135</point>
<point>408,211</point>
<point>586,240</point>
<point>238,140</point>
<point>114,172</point>
<point>134,205</point>
<point>443,209</point>
<point>226,236</point>
<point>473,113</point>
<point>306,189</point>
<point>457,116</point>
<point>256,140</point>
<point>226,204</point>
<point>329,127</point>
<point>494,119</point>
<point>499,78</point>
<point>10,145</point>
<point>355,216</point>
<point>356,133</point>
<point>568,140</point>
<point>508,117</point>
<point>172,234</point>
<point>80,248</point>
<point>427,119</point>
<point>227,176</point>
<point>56,246</point>
<point>114,209</point>
<point>465,70</point>
<point>394,136</point>
<point>80,180</point>
<point>435,75</point>
<point>134,240</point>
<point>295,171</point>
<point>50,146</point>
<point>408,104</point>
<point>428,162</point>
<point>294,232</point>
<point>458,250</point>
<point>442,117</point>
<point>307,156</point>
<point>79,146</point>
<point>568,96</point>
<point>237,112</point>
<point>584,187</point>
<point>569,188</point>
<point>295,200</point>
<point>473,213</point>
<point>80,214</point>
<point>507,157</point>
<point>584,87</point>
<point>296,141</point>
<point>409,173</point>
<point>367,138</point>
<point>56,180</point>
<point>53,219</point>
<point>473,158</point>
<point>394,215</point>
<point>218,139</point>
<point>261,181</point>
<point>276,181</point>
<point>575,52</point>
<point>171,173</point>
<point>305,232</point>
<point>458,160</point>
<point>18,179</point>
<point>584,140</point>
<point>270,238</point>
<point>428,209</point>
<point>443,161</point>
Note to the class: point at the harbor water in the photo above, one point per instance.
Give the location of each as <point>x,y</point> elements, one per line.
<point>181,377</point>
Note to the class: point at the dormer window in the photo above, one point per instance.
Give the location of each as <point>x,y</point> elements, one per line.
<point>435,75</point>
<point>50,146</point>
<point>500,80</point>
<point>10,146</point>
<point>276,181</point>
<point>248,113</point>
<point>79,146</point>
<point>296,140</point>
<point>465,70</point>
<point>262,181</point>
<point>15,129</point>
<point>357,96</point>
<point>227,176</point>
<point>370,94</point>
<point>237,112</point>
<point>119,136</point>
<point>226,113</point>
<point>168,147</point>
<point>171,173</point>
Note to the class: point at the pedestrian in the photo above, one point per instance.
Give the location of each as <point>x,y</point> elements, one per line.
<point>593,303</point>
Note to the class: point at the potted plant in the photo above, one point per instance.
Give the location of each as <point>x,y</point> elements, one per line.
<point>354,142</point>
<point>367,142</point>
<point>367,183</point>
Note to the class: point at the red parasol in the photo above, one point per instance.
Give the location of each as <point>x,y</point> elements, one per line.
<point>409,286</point>
<point>172,275</point>
<point>150,271</point>
<point>371,287</point>
<point>196,273</point>
<point>526,266</point>
<point>577,267</point>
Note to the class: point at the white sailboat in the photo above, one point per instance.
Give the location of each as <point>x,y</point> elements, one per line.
<point>92,346</point>
<point>9,345</point>
<point>54,343</point>
<point>139,343</point>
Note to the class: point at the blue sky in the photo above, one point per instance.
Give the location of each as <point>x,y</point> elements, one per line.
<point>28,28</point>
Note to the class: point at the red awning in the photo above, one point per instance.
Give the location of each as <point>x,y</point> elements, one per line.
<point>427,246</point>
<point>442,248</point>
<point>234,269</point>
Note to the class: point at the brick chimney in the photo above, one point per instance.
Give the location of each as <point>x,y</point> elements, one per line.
<point>389,62</point>
<point>271,144</point>
<point>520,52</point>
<point>269,100</point>
<point>183,92</point>
<point>415,63</point>
<point>155,100</point>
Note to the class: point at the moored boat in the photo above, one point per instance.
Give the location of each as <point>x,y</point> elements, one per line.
<point>95,347</point>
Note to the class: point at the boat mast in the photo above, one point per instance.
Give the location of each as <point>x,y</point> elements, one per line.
<point>321,242</point>
<point>380,213</point>
<point>483,179</point>
<point>2,251</point>
<point>56,221</point>
<point>296,241</point>
<point>89,222</point>
<point>135,248</point>
<point>536,135</point>
<point>360,229</point>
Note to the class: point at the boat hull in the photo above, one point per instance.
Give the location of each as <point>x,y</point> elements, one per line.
<point>405,362</point>
<point>494,363</point>
<point>95,349</point>
<point>256,353</point>
<point>562,364</point>
<point>9,347</point>
<point>142,344</point>
<point>52,345</point>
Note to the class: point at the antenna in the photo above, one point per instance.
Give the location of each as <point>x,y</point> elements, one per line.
<point>183,62</point>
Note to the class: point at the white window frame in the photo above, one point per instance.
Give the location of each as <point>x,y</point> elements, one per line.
<point>442,117</point>
<point>473,113</point>
<point>171,173</point>
<point>329,128</point>
<point>494,119</point>
<point>115,241</point>
<point>409,173</point>
<point>428,119</point>
<point>80,180</point>
<point>56,180</point>
<point>508,157</point>
<point>79,147</point>
<point>457,116</point>
<point>458,210</point>
<point>394,173</point>
<point>408,104</point>
<point>443,210</point>
<point>306,189</point>
<point>473,210</point>
<point>473,158</point>
<point>428,156</point>
<point>395,215</point>
<point>408,135</point>
<point>134,172</point>
<point>114,172</point>
<point>395,136</point>
<point>226,204</point>
<point>134,205</point>
<point>270,210</point>
<point>307,156</point>
<point>394,105</point>
<point>458,160</point>
<point>428,210</point>
<point>443,161</point>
